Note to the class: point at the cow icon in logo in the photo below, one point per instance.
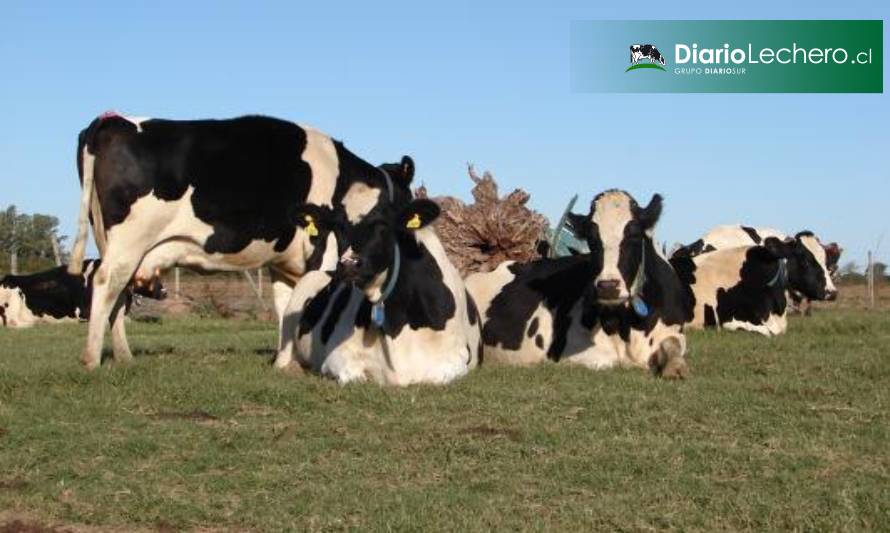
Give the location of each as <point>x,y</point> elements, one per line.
<point>640,51</point>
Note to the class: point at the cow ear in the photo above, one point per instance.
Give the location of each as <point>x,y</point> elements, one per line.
<point>419,214</point>
<point>778,248</point>
<point>407,170</point>
<point>650,214</point>
<point>311,218</point>
<point>578,225</point>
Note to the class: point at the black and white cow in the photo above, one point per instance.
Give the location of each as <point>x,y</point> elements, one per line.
<point>741,288</point>
<point>619,305</point>
<point>211,195</point>
<point>54,295</point>
<point>395,311</point>
<point>810,265</point>
<point>639,51</point>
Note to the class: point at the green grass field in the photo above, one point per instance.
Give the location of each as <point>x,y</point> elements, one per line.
<point>200,432</point>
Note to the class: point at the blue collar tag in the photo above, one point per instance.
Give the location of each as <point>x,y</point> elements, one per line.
<point>378,314</point>
<point>640,307</point>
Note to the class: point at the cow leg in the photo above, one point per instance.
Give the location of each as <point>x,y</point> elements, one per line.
<point>305,290</point>
<point>119,342</point>
<point>282,290</point>
<point>109,283</point>
<point>669,362</point>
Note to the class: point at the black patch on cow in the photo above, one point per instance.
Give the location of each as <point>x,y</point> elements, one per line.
<point>420,298</point>
<point>752,299</point>
<point>314,309</point>
<point>472,310</point>
<point>752,233</point>
<point>539,341</point>
<point>336,313</point>
<point>710,316</point>
<point>533,327</point>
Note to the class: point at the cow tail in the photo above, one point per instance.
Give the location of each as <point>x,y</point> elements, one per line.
<point>90,210</point>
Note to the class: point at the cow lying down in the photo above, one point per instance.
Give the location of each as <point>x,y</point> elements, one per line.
<point>54,295</point>
<point>811,264</point>
<point>619,305</point>
<point>740,288</point>
<point>395,311</point>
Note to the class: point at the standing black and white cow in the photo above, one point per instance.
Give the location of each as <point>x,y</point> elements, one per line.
<point>810,265</point>
<point>619,305</point>
<point>211,195</point>
<point>54,295</point>
<point>395,311</point>
<point>741,288</point>
<point>640,51</point>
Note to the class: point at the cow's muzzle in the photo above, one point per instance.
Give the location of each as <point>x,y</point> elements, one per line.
<point>831,295</point>
<point>348,269</point>
<point>608,291</point>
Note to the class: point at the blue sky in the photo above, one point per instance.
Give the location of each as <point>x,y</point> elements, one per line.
<point>448,84</point>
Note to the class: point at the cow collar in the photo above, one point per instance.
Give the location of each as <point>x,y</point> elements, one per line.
<point>636,289</point>
<point>389,186</point>
<point>378,310</point>
<point>781,273</point>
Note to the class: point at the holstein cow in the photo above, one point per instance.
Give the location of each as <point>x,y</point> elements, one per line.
<point>810,265</point>
<point>55,295</point>
<point>211,195</point>
<point>740,288</point>
<point>619,305</point>
<point>639,51</point>
<point>395,311</point>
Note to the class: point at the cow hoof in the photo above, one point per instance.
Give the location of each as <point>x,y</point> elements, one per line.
<point>90,363</point>
<point>676,368</point>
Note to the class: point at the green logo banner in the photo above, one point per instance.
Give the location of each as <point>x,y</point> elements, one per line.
<point>728,56</point>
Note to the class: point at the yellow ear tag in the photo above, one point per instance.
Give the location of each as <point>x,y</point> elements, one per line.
<point>414,223</point>
<point>310,226</point>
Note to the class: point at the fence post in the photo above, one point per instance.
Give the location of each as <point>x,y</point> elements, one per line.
<point>259,282</point>
<point>14,261</point>
<point>255,291</point>
<point>870,280</point>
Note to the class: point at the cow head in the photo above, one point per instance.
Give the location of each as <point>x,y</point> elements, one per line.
<point>368,248</point>
<point>832,257</point>
<point>808,268</point>
<point>401,174</point>
<point>617,231</point>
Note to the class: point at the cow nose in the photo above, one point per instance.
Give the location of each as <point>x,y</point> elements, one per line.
<point>607,288</point>
<point>831,296</point>
<point>349,266</point>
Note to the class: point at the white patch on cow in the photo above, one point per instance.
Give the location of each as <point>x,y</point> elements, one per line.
<point>733,236</point>
<point>611,214</point>
<point>815,247</point>
<point>359,200</point>
<point>321,156</point>
<point>136,121</point>
<point>485,286</point>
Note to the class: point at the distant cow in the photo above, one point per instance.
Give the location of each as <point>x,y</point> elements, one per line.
<point>395,311</point>
<point>55,295</point>
<point>619,305</point>
<point>640,51</point>
<point>211,195</point>
<point>810,266</point>
<point>740,288</point>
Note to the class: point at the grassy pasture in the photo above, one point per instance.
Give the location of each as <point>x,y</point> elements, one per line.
<point>199,432</point>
